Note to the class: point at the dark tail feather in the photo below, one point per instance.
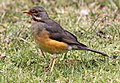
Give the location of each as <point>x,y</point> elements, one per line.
<point>92,50</point>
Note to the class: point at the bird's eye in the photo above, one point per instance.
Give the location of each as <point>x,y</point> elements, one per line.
<point>34,11</point>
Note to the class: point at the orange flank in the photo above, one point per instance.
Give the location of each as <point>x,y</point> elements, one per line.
<point>50,45</point>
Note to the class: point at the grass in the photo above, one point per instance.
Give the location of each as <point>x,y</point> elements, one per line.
<point>97,27</point>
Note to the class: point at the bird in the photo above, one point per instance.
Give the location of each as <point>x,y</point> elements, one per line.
<point>51,37</point>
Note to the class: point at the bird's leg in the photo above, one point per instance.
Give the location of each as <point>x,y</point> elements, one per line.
<point>52,63</point>
<point>41,53</point>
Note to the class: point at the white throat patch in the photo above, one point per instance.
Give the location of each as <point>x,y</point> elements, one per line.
<point>37,18</point>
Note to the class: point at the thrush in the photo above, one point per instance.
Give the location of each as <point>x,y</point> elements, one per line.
<point>51,37</point>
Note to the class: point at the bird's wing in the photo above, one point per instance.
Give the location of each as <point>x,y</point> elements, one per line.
<point>59,34</point>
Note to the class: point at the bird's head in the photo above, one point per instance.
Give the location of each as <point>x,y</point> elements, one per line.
<point>38,13</point>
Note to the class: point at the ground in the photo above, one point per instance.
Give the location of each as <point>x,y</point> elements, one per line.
<point>95,23</point>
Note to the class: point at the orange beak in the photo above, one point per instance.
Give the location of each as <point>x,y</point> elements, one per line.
<point>28,13</point>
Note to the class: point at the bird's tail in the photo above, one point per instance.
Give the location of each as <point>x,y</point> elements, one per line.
<point>92,50</point>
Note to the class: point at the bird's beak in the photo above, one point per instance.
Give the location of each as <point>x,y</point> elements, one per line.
<point>28,12</point>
